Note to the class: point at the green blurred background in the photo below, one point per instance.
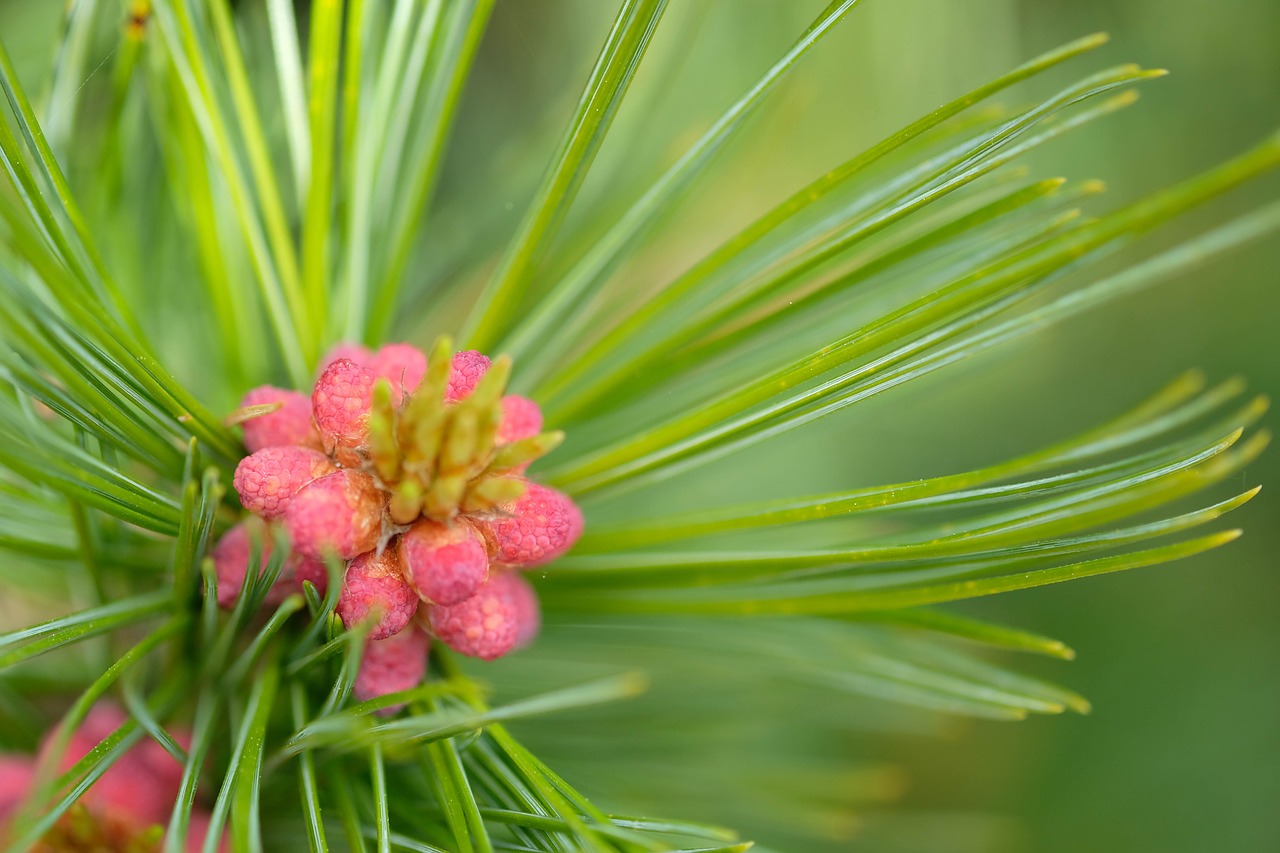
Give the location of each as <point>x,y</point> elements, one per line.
<point>1182,663</point>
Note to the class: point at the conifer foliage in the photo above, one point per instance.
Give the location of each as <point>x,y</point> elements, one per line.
<point>260,556</point>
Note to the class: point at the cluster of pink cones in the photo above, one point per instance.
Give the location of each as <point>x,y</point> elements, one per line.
<point>410,470</point>
<point>126,807</point>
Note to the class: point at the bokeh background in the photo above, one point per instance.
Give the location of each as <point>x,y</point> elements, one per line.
<point>1182,662</point>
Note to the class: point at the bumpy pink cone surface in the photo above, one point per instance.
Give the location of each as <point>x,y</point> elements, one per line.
<point>341,512</point>
<point>396,663</point>
<point>290,424</point>
<point>469,367</point>
<point>446,563</point>
<point>268,479</point>
<point>16,775</point>
<point>231,563</point>
<point>488,624</point>
<point>340,406</point>
<point>521,418</point>
<point>402,365</point>
<point>543,525</point>
<point>375,589</point>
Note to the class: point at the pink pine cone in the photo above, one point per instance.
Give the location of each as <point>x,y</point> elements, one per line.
<point>521,418</point>
<point>541,526</point>
<point>445,563</point>
<point>528,611</point>
<point>16,776</point>
<point>140,788</point>
<point>268,480</point>
<point>375,588</point>
<point>469,367</point>
<point>396,663</point>
<point>340,512</point>
<point>490,623</point>
<point>308,569</point>
<point>288,425</point>
<point>340,405</point>
<point>231,563</point>
<point>352,352</point>
<point>402,365</point>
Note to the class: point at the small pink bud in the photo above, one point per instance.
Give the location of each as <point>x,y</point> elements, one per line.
<point>268,480</point>
<point>340,512</point>
<point>340,405</point>
<point>521,418</point>
<point>488,624</point>
<point>16,776</point>
<point>352,352</point>
<point>445,563</point>
<point>231,563</point>
<point>288,425</point>
<point>390,665</point>
<point>374,588</point>
<point>469,367</point>
<point>542,525</point>
<point>402,365</point>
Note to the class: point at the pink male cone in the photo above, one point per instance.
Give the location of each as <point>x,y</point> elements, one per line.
<point>340,406</point>
<point>521,418</point>
<point>375,589</point>
<point>401,365</point>
<point>539,527</point>
<point>267,480</point>
<point>140,787</point>
<point>308,569</point>
<point>528,611</point>
<point>288,425</point>
<point>445,563</point>
<point>390,665</point>
<point>231,558</point>
<point>469,367</point>
<point>488,624</point>
<point>340,512</point>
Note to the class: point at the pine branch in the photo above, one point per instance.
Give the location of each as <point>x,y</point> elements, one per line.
<point>299,162</point>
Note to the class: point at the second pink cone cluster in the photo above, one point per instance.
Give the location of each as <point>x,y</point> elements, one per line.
<point>136,793</point>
